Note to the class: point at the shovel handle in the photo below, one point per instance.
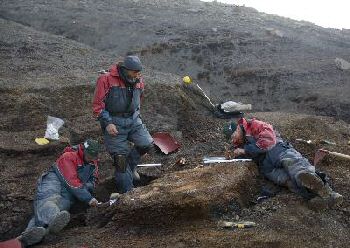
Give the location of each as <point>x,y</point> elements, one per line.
<point>340,155</point>
<point>205,95</point>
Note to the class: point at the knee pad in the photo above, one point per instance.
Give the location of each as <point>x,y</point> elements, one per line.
<point>120,163</point>
<point>146,149</point>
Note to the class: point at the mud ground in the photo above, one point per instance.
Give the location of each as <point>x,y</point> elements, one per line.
<point>283,220</point>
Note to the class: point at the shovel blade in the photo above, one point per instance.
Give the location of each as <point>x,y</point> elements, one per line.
<point>165,142</point>
<point>319,155</point>
<point>12,243</point>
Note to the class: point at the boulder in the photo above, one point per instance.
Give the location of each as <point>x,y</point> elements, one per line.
<point>187,195</point>
<point>342,64</point>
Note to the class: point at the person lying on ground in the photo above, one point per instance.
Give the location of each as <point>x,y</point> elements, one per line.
<point>72,177</point>
<point>279,162</point>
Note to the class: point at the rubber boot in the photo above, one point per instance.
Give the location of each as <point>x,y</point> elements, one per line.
<point>32,235</point>
<point>335,199</point>
<point>291,186</point>
<point>59,222</point>
<point>313,183</point>
<point>136,175</point>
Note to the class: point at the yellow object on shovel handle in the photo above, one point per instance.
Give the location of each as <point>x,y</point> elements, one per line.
<point>187,80</point>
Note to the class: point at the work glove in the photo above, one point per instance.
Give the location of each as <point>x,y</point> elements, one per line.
<point>228,152</point>
<point>238,152</point>
<point>112,129</point>
<point>93,202</point>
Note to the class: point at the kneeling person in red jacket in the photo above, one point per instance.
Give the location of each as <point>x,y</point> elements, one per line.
<point>279,162</point>
<point>72,177</point>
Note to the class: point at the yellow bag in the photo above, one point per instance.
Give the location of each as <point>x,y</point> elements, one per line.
<point>42,141</point>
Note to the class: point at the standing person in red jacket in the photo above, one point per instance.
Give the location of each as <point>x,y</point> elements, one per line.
<point>116,104</point>
<point>279,162</point>
<point>72,177</point>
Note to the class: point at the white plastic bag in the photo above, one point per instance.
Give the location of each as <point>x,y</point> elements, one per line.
<point>53,124</point>
<point>232,106</point>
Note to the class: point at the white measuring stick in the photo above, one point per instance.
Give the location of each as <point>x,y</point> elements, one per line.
<point>214,158</point>
<point>148,165</point>
<point>208,161</point>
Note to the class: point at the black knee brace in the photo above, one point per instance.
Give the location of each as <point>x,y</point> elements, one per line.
<point>145,149</point>
<point>120,163</point>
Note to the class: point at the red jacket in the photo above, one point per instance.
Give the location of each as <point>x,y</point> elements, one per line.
<point>104,83</point>
<point>78,177</point>
<point>263,133</point>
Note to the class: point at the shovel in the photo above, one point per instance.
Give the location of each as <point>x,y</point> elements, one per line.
<point>187,80</point>
<point>12,243</point>
<point>165,142</point>
<point>321,153</point>
<point>226,110</point>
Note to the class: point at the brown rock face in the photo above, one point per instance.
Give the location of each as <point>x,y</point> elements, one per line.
<point>189,194</point>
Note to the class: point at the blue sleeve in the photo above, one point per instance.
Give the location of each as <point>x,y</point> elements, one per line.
<point>81,193</point>
<point>105,118</point>
<point>90,184</point>
<point>251,149</point>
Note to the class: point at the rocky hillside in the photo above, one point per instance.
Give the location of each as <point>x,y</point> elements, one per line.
<point>234,52</point>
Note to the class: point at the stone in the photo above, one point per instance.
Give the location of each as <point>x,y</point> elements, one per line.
<point>186,195</point>
<point>342,64</point>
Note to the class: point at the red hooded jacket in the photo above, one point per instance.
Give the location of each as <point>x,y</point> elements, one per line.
<point>78,177</point>
<point>104,84</point>
<point>259,134</point>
